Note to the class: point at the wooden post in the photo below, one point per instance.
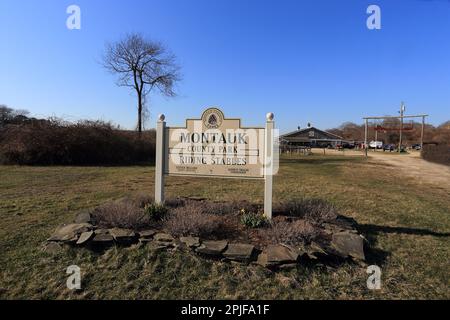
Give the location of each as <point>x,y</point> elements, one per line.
<point>402,109</point>
<point>421,134</point>
<point>268,165</point>
<point>365,135</point>
<point>159,161</point>
<point>376,139</point>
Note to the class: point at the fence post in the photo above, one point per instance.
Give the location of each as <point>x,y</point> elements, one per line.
<point>268,165</point>
<point>159,161</point>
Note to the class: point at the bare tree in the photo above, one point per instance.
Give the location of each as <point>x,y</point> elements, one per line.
<point>143,65</point>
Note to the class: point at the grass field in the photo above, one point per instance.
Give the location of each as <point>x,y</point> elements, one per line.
<point>407,223</point>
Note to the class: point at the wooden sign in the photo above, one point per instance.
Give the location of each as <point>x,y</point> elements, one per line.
<point>215,146</point>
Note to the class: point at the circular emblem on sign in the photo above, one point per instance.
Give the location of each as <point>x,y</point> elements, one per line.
<point>212,118</point>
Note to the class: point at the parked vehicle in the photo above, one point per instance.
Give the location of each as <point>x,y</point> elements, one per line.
<point>389,147</point>
<point>376,144</point>
<point>416,146</point>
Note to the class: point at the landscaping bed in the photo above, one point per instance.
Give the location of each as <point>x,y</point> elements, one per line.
<point>300,231</point>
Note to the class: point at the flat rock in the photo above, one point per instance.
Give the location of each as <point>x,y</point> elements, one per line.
<point>348,244</point>
<point>346,222</point>
<point>83,217</point>
<point>103,238</point>
<point>70,232</point>
<point>330,228</point>
<point>212,247</point>
<point>190,242</point>
<point>52,247</point>
<point>163,237</point>
<point>85,237</point>
<point>239,251</point>
<point>160,246</point>
<point>101,231</point>
<point>288,266</point>
<point>147,234</point>
<point>277,254</point>
<point>316,249</point>
<point>122,235</point>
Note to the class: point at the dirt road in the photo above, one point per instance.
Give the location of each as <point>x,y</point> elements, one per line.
<point>408,165</point>
<point>412,165</point>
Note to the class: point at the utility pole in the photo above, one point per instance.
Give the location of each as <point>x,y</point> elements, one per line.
<point>402,110</point>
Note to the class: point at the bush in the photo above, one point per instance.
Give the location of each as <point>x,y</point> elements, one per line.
<point>120,214</point>
<point>141,199</point>
<point>316,211</point>
<point>253,220</point>
<point>292,232</point>
<point>438,153</point>
<point>191,220</point>
<point>156,212</point>
<point>54,142</point>
<point>216,208</point>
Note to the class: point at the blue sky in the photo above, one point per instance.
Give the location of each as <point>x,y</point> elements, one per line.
<point>306,61</point>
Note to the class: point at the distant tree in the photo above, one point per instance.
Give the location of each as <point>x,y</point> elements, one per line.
<point>8,114</point>
<point>348,125</point>
<point>445,125</point>
<point>142,65</point>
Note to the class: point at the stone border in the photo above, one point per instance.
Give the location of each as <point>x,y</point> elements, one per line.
<point>345,243</point>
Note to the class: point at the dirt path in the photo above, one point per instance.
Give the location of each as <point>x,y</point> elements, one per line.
<point>412,165</point>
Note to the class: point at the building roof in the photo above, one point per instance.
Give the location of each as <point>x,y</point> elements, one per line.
<point>293,133</point>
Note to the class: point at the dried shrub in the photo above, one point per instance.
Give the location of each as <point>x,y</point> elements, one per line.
<point>56,142</point>
<point>192,220</point>
<point>291,232</point>
<point>216,208</point>
<point>246,206</point>
<point>438,153</point>
<point>141,199</point>
<point>174,203</point>
<point>120,214</point>
<point>315,211</point>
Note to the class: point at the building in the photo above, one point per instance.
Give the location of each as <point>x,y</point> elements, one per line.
<point>312,137</point>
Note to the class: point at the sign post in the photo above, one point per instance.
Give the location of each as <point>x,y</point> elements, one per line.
<point>268,165</point>
<point>215,146</point>
<point>160,161</point>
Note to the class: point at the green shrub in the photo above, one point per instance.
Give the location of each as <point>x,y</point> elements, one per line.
<point>253,220</point>
<point>156,212</point>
